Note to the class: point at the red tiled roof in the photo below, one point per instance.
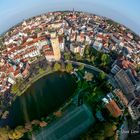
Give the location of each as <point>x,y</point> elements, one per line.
<point>113,108</point>
<point>16,72</point>
<point>60,39</point>
<point>25,72</point>
<point>27,66</point>
<point>46,47</point>
<point>49,53</point>
<point>122,97</point>
<point>103,37</point>
<point>12,50</point>
<point>17,56</point>
<point>134,72</point>
<point>33,41</point>
<point>125,63</point>
<point>11,69</point>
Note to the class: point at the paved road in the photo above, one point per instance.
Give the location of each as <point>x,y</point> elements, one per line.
<point>85,65</point>
<point>95,69</point>
<point>124,131</point>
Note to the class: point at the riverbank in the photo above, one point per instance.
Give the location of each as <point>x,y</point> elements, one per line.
<point>38,69</point>
<point>85,86</point>
<point>37,77</point>
<point>43,97</point>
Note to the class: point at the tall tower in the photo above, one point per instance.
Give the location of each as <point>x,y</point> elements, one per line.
<point>73,11</point>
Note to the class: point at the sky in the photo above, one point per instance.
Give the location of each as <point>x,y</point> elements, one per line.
<point>126,12</point>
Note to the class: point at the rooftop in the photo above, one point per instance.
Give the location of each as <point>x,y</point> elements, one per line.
<point>113,108</point>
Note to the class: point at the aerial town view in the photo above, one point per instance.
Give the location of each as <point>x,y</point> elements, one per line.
<point>69,75</point>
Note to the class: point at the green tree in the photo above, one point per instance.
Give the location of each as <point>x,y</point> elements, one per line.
<point>20,129</point>
<point>62,66</point>
<point>37,30</point>
<point>108,87</point>
<point>88,58</point>
<point>99,135</point>
<point>81,67</point>
<point>10,135</point>
<point>69,67</point>
<point>87,51</point>
<point>1,44</point>
<point>17,133</point>
<point>109,129</point>
<point>57,66</point>
<point>4,133</point>
<point>41,70</point>
<point>105,59</point>
<point>67,56</point>
<point>101,131</point>
<point>49,68</point>
<point>14,88</point>
<point>78,57</point>
<point>95,96</point>
<point>92,59</point>
<point>102,76</point>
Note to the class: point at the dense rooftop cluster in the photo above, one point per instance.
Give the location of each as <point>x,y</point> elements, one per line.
<point>51,34</point>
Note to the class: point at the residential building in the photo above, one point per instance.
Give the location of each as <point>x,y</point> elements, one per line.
<point>115,38</point>
<point>125,84</point>
<point>97,45</point>
<point>121,96</point>
<point>112,107</point>
<point>134,109</point>
<point>61,43</point>
<point>131,76</point>
<point>115,69</point>
<point>11,80</point>
<point>77,48</point>
<point>49,56</point>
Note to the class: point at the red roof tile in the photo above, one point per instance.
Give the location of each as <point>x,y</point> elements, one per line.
<point>16,72</point>
<point>49,53</point>
<point>113,108</point>
<point>25,72</point>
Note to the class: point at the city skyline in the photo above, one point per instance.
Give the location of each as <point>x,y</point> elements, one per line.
<point>124,12</point>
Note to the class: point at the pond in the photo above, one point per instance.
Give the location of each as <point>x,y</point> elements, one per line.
<point>43,97</point>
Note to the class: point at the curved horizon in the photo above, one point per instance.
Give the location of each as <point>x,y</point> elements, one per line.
<point>125,13</point>
<point>62,11</point>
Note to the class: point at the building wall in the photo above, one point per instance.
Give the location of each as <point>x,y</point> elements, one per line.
<point>125,84</point>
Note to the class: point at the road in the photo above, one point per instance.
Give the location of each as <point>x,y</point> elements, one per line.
<point>95,69</point>
<point>124,131</point>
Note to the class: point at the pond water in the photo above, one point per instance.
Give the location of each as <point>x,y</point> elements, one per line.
<point>43,97</point>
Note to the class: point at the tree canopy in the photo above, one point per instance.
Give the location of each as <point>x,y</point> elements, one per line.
<point>57,66</point>
<point>105,59</point>
<point>102,76</point>
<point>81,67</point>
<point>69,67</point>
